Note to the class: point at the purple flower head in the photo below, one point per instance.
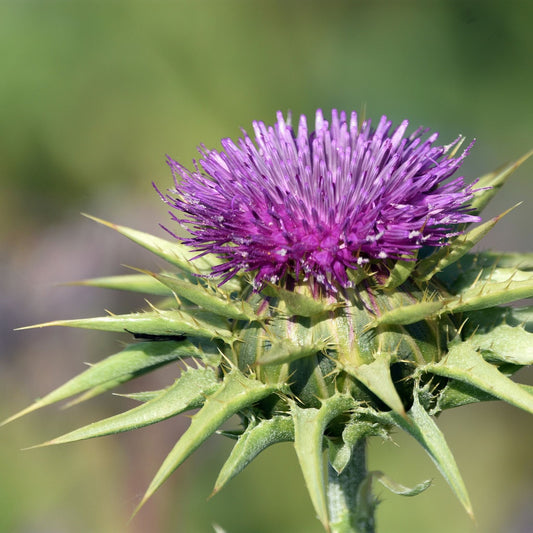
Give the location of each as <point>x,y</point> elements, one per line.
<point>313,205</point>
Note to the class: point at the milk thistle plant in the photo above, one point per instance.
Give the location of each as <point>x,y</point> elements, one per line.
<point>326,293</point>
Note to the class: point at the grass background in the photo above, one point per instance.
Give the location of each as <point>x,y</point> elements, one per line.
<point>93,95</point>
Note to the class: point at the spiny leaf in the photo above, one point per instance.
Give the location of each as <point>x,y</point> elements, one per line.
<point>485,294</point>
<point>463,272</point>
<point>377,378</point>
<point>157,322</point>
<point>298,303</point>
<point>236,393</point>
<point>399,273</point>
<point>464,363</point>
<point>188,392</point>
<point>286,351</point>
<point>421,426</point>
<point>505,344</point>
<point>144,396</point>
<point>175,253</point>
<point>457,394</point>
<point>131,362</point>
<point>309,427</point>
<point>456,249</point>
<point>130,282</point>
<point>408,314</point>
<point>492,182</point>
<point>207,298</point>
<point>257,437</point>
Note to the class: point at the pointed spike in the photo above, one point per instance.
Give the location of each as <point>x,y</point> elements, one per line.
<point>377,378</point>
<point>158,323</point>
<point>408,314</point>
<point>188,392</point>
<point>207,298</point>
<point>133,361</point>
<point>236,393</point>
<point>492,182</point>
<point>309,427</point>
<point>456,249</point>
<point>464,363</point>
<point>175,253</point>
<point>256,438</point>
<point>130,282</point>
<point>422,427</point>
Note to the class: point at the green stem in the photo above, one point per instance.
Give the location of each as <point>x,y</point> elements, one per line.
<point>350,502</point>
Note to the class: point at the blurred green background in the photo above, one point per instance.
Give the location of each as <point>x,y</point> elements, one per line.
<point>92,97</point>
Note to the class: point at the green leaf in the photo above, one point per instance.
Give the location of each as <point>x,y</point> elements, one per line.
<point>408,314</point>
<point>157,322</point>
<point>207,298</point>
<point>188,392</point>
<point>130,282</point>
<point>464,363</point>
<point>175,253</point>
<point>464,272</point>
<point>457,394</point>
<point>286,351</point>
<point>447,255</point>
<point>309,427</point>
<point>494,181</point>
<point>377,378</point>
<point>236,393</point>
<point>502,287</point>
<point>298,303</point>
<point>397,488</point>
<point>399,273</point>
<point>256,438</point>
<point>505,344</point>
<point>421,426</point>
<point>133,361</point>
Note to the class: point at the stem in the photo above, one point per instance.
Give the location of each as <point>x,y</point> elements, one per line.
<point>350,502</point>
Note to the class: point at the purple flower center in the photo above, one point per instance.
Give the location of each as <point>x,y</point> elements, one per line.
<point>312,206</point>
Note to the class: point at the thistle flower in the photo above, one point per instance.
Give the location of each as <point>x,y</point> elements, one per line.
<point>322,203</point>
<point>327,293</point>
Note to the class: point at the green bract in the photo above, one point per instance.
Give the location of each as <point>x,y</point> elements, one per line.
<point>323,372</point>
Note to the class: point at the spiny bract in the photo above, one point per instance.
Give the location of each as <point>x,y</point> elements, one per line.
<point>351,302</point>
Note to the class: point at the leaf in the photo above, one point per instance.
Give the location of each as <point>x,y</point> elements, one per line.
<point>408,314</point>
<point>457,394</point>
<point>286,351</point>
<point>236,393</point>
<point>309,427</point>
<point>188,392</point>
<point>175,253</point>
<point>397,488</point>
<point>421,426</point>
<point>399,273</point>
<point>133,361</point>
<point>130,282</point>
<point>464,363</point>
<point>492,182</point>
<point>257,437</point>
<point>505,344</point>
<point>157,322</point>
<point>469,266</point>
<point>485,294</point>
<point>376,377</point>
<point>207,298</point>
<point>298,303</point>
<point>447,255</point>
